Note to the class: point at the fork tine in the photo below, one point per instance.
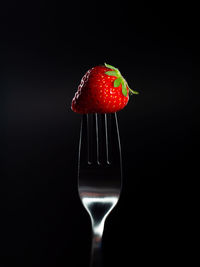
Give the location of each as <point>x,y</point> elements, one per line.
<point>114,146</point>
<point>99,139</point>
<point>83,142</point>
<point>93,130</point>
<point>103,139</point>
<point>89,140</point>
<point>106,138</point>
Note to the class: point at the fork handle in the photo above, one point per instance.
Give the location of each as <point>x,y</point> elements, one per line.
<point>96,255</point>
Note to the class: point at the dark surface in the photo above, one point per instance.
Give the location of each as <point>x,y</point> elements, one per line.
<point>46,47</point>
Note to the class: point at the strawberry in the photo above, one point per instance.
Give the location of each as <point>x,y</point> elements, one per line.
<point>102,90</point>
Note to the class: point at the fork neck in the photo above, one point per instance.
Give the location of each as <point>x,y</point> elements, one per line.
<point>96,253</point>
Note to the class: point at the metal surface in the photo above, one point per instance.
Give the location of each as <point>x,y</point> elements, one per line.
<point>99,173</point>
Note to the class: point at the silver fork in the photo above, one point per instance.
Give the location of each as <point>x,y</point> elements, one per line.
<point>99,173</point>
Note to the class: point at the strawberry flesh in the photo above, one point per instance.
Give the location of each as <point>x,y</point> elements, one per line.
<point>97,93</point>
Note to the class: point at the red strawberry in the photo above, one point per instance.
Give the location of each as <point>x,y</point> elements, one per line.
<point>102,90</point>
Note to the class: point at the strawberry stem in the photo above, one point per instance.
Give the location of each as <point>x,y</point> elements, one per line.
<point>110,67</point>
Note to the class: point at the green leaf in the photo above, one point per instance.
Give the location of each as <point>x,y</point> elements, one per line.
<point>110,67</point>
<point>133,92</point>
<point>111,73</point>
<point>124,90</point>
<point>117,82</point>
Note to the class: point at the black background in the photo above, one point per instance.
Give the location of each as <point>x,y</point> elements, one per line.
<point>46,47</point>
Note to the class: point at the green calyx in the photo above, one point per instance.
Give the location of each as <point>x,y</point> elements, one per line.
<point>120,80</point>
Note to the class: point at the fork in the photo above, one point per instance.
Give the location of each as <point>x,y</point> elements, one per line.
<point>99,173</point>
